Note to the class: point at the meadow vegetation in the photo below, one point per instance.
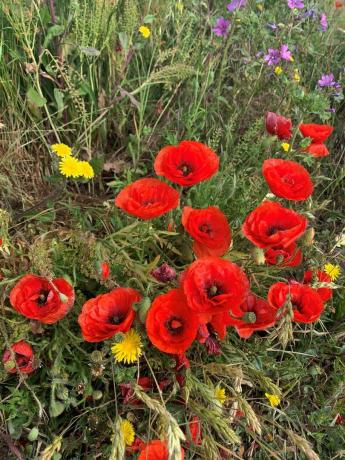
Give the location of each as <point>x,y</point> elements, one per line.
<point>110,83</point>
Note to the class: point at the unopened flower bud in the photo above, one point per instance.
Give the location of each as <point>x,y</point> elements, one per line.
<point>164,273</point>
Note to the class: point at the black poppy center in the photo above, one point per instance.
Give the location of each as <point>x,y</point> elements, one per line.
<point>205,228</point>
<point>43,297</point>
<point>174,325</point>
<point>148,202</point>
<point>213,290</point>
<point>274,229</point>
<point>116,319</point>
<point>185,169</point>
<point>21,360</point>
<point>296,305</point>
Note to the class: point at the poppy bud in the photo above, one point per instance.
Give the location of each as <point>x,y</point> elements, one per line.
<point>258,256</point>
<point>212,346</point>
<point>308,238</point>
<point>96,395</point>
<point>164,273</point>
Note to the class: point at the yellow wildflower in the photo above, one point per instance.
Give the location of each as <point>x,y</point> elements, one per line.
<point>333,271</point>
<point>62,150</point>
<point>296,76</point>
<point>86,170</point>
<point>129,349</point>
<point>260,6</point>
<point>69,167</point>
<point>220,395</point>
<point>285,146</point>
<point>274,400</point>
<point>278,70</point>
<point>128,432</point>
<point>145,31</point>
<point>179,6</point>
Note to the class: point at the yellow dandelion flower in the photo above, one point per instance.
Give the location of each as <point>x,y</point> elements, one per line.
<point>285,146</point>
<point>220,395</point>
<point>278,70</point>
<point>62,150</point>
<point>128,432</point>
<point>86,170</point>
<point>145,31</point>
<point>129,349</point>
<point>274,400</point>
<point>69,167</point>
<point>333,271</point>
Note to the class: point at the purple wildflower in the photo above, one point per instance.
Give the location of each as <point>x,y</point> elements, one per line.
<point>273,56</point>
<point>296,4</point>
<point>232,6</point>
<point>327,80</point>
<point>272,26</point>
<point>323,22</point>
<point>222,27</point>
<point>331,110</point>
<point>310,14</point>
<point>285,53</point>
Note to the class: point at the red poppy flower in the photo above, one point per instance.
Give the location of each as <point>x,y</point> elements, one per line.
<point>306,303</point>
<point>194,427</point>
<point>147,198</point>
<point>318,133</point>
<point>105,270</point>
<point>339,4</point>
<point>138,445</point>
<point>213,285</point>
<point>186,164</point>
<point>156,450</point>
<point>270,224</point>
<point>287,179</point>
<point>38,298</point>
<point>317,150</point>
<point>209,228</point>
<point>107,314</point>
<point>278,125</point>
<point>170,324</point>
<point>19,359</point>
<point>284,257</point>
<point>256,315</point>
<point>321,277</point>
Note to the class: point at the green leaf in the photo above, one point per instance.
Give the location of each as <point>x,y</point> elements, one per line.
<point>59,97</point>
<point>148,19</point>
<point>90,51</point>
<point>34,98</point>
<point>53,32</point>
<point>33,435</point>
<point>56,408</point>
